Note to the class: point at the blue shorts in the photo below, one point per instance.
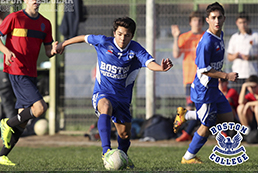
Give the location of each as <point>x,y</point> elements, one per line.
<point>25,90</point>
<point>207,112</point>
<point>120,112</point>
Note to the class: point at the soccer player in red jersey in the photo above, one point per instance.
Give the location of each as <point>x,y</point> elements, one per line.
<point>26,30</point>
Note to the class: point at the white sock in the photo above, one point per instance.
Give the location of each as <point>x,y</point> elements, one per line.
<point>188,155</point>
<point>190,115</point>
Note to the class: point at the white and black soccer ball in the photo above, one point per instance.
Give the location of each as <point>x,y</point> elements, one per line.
<point>115,160</point>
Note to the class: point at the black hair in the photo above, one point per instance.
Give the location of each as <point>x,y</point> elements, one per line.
<point>213,7</point>
<point>126,22</point>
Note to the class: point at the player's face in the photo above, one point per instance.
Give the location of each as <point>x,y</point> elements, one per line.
<point>123,37</point>
<point>33,4</point>
<point>215,20</point>
<point>242,25</point>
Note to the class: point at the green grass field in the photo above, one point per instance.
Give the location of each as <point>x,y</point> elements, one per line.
<point>146,159</point>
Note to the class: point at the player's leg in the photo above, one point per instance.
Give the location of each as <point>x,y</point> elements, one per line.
<point>207,115</point>
<point>104,124</point>
<point>124,134</point>
<point>28,99</point>
<point>199,139</point>
<point>18,130</point>
<point>36,110</point>
<point>27,95</point>
<point>123,139</point>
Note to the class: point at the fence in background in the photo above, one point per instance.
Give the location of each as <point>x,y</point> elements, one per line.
<point>80,59</point>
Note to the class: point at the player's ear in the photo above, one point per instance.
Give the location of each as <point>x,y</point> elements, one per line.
<point>207,20</point>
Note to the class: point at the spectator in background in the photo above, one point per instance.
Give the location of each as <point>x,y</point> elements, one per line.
<point>248,103</point>
<point>243,50</point>
<point>186,44</point>
<point>6,91</point>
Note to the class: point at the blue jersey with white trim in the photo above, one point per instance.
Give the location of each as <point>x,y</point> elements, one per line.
<point>117,69</point>
<point>209,54</point>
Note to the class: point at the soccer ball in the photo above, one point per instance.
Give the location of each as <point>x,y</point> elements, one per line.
<point>41,127</point>
<point>115,160</point>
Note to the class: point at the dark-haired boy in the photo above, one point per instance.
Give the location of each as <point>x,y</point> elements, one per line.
<point>211,104</point>
<point>119,61</point>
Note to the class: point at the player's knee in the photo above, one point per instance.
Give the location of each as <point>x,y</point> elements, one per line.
<point>39,108</point>
<point>105,107</point>
<point>124,135</point>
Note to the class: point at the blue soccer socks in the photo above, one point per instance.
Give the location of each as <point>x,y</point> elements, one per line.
<point>197,143</point>
<point>123,144</point>
<point>104,127</point>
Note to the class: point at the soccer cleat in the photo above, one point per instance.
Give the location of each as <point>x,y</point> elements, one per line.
<point>194,160</point>
<point>5,161</point>
<point>6,133</point>
<point>130,164</point>
<point>180,118</point>
<point>184,137</point>
<point>103,155</point>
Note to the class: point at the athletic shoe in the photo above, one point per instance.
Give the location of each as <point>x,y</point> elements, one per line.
<point>194,160</point>
<point>103,155</point>
<point>180,118</point>
<point>5,161</point>
<point>184,137</point>
<point>130,164</point>
<point>6,133</point>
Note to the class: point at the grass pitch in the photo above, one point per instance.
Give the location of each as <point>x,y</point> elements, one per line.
<point>146,159</point>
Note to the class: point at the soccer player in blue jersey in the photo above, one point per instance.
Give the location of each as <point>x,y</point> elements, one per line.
<point>119,61</point>
<point>211,105</point>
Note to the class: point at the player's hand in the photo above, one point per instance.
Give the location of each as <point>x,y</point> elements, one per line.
<point>8,58</point>
<point>232,76</point>
<point>60,48</point>
<point>166,64</point>
<point>175,31</point>
<point>54,51</point>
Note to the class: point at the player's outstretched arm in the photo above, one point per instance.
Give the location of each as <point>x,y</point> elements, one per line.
<point>164,66</point>
<point>61,46</point>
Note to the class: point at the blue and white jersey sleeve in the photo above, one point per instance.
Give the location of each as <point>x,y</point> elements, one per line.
<point>117,68</point>
<point>209,55</point>
<point>203,57</point>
